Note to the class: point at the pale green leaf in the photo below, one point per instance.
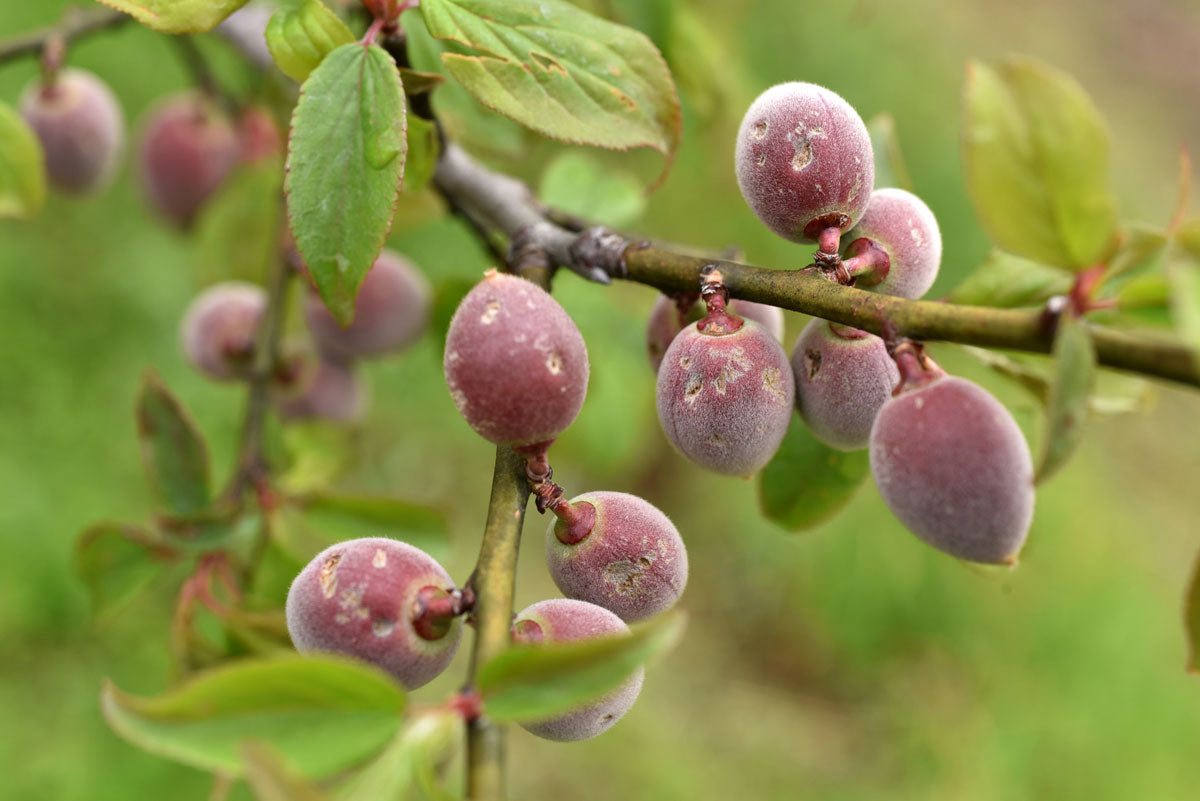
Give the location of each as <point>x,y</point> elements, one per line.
<point>237,233</point>
<point>1007,281</point>
<point>345,161</point>
<point>117,562</point>
<point>409,763</point>
<point>174,453</point>
<point>322,713</point>
<point>300,37</point>
<point>177,16</point>
<point>273,780</point>
<point>423,152</point>
<point>1070,387</point>
<point>578,184</point>
<point>807,482</point>
<point>1036,156</point>
<point>1192,619</point>
<point>22,167</point>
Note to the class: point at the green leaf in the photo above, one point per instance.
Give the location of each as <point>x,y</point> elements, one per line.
<point>272,779</point>
<point>578,184</point>
<point>1070,386</point>
<point>890,169</point>
<point>237,234</point>
<point>22,167</point>
<point>423,151</point>
<point>539,681</point>
<point>1183,277</point>
<point>1139,252</point>
<point>174,453</point>
<point>117,561</point>
<point>419,83</point>
<point>177,16</point>
<point>300,37</point>
<point>409,762</point>
<point>1008,281</point>
<point>345,517</point>
<point>1036,156</point>
<point>316,454</point>
<point>323,713</point>
<point>345,160</point>
<point>1192,619</point>
<point>808,482</point>
<point>561,71</point>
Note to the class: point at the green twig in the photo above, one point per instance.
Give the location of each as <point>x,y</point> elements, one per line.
<point>76,22</point>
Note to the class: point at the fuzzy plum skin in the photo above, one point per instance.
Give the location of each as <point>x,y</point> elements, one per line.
<point>952,465</point>
<point>325,390</point>
<point>391,312</point>
<point>567,620</point>
<point>188,148</point>
<point>217,332</point>
<point>725,401</point>
<point>841,383</point>
<point>804,161</point>
<point>82,130</point>
<point>633,563</point>
<point>901,223</point>
<point>663,323</point>
<point>356,598</point>
<point>515,363</point>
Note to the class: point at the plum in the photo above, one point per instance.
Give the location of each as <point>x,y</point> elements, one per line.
<point>905,229</point>
<point>665,322</point>
<point>218,328</point>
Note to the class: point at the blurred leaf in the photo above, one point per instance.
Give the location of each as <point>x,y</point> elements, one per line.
<point>1141,245</point>
<point>1192,619</point>
<point>419,83</point>
<point>1006,281</point>
<point>348,516</point>
<point>581,185</point>
<point>177,16</point>
<point>259,633</point>
<point>408,764</point>
<point>321,712</point>
<point>560,71</point>
<point>532,682</point>
<point>1183,276</point>
<point>173,450</point>
<point>22,167</point>
<point>474,126</point>
<point>237,234</point>
<point>271,779</point>
<point>447,294</point>
<point>317,454</point>
<point>1070,386</point>
<point>345,163</point>
<point>423,152</point>
<point>1036,155</point>
<point>890,169</point>
<point>808,482</point>
<point>301,36</point>
<point>117,561</point>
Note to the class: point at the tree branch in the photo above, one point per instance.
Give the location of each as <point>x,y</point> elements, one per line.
<point>76,22</point>
<point>494,584</point>
<point>509,206</point>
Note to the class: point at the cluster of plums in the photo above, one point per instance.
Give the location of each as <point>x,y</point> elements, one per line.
<point>949,460</point>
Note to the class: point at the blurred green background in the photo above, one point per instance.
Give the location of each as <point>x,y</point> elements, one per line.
<point>849,662</point>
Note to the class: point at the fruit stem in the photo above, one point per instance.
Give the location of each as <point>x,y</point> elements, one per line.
<point>868,263</point>
<point>434,608</point>
<point>916,369</point>
<point>829,240</point>
<point>718,321</point>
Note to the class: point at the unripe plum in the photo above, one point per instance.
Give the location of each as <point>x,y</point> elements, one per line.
<point>363,597</point>
<point>567,620</point>
<point>725,401</point>
<point>79,122</point>
<point>391,312</point>
<point>901,224</point>
<point>515,363</point>
<point>629,559</point>
<point>952,465</point>
<point>188,148</point>
<point>664,322</point>
<point>843,376</point>
<point>804,161</point>
<point>323,389</point>
<point>218,328</point>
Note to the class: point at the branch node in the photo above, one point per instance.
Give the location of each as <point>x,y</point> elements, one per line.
<point>599,254</point>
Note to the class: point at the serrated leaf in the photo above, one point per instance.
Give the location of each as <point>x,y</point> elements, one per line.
<point>408,763</point>
<point>345,160</point>
<point>533,682</point>
<point>301,36</point>
<point>273,780</point>
<point>1070,387</point>
<point>578,184</point>
<point>423,152</point>
<point>890,169</point>
<point>1008,281</point>
<point>808,482</point>
<point>117,562</point>
<point>322,713</point>
<point>177,16</point>
<point>22,167</point>
<point>561,71</point>
<point>174,453</point>
<point>1183,277</point>
<point>237,233</point>
<point>1036,157</point>
<point>1192,619</point>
